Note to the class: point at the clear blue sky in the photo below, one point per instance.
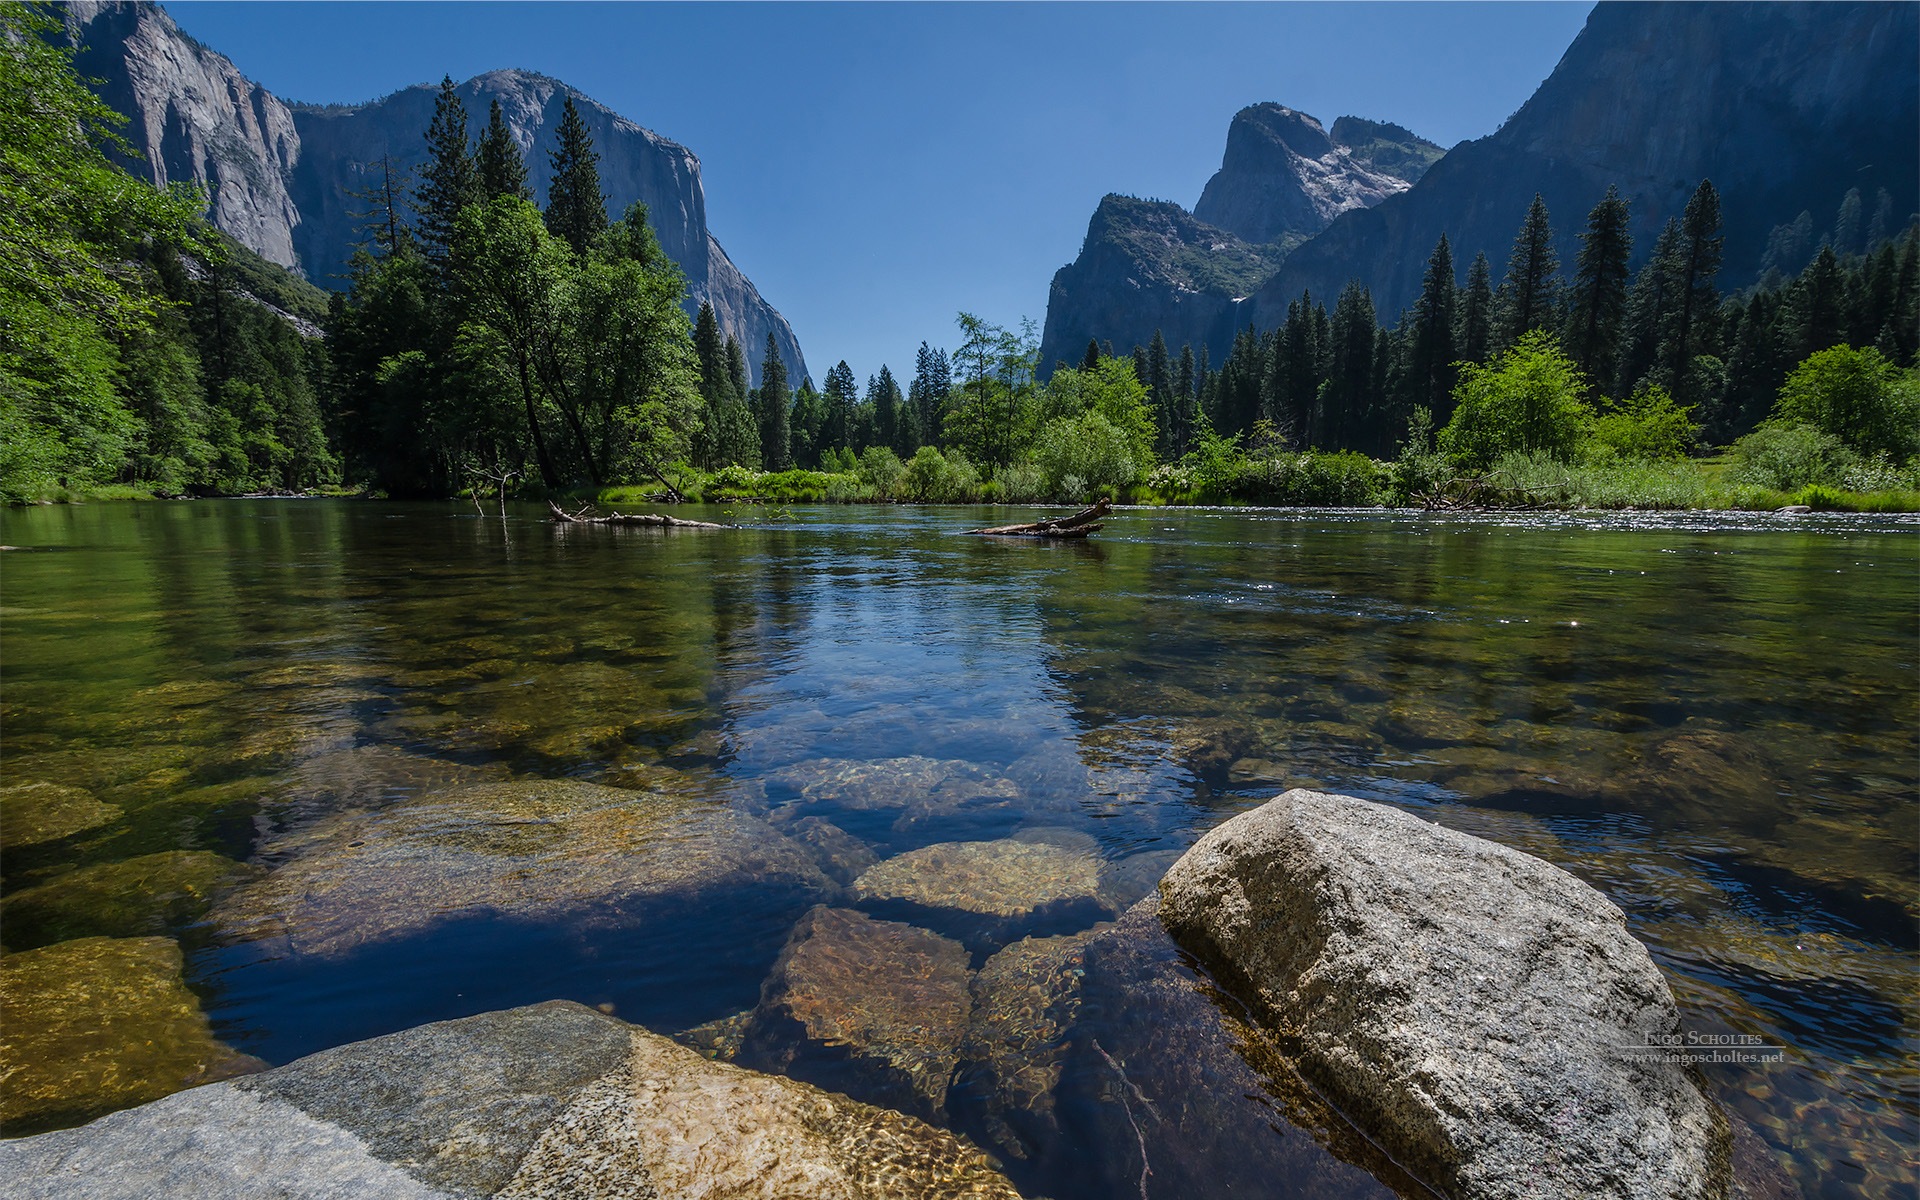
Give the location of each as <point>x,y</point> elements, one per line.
<point>875,168</point>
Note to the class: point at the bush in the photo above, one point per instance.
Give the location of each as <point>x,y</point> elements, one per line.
<point>1345,479</point>
<point>1527,399</point>
<point>1787,455</point>
<point>934,478</point>
<point>1858,397</point>
<point>1646,427</point>
<point>1420,471</point>
<point>1088,449</point>
<point>1021,483</point>
<point>882,471</point>
<point>1880,474</point>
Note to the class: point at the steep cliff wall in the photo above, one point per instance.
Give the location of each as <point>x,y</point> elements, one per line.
<point>1785,106</point>
<point>279,176</point>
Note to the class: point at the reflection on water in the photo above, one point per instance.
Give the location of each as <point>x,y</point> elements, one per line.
<point>373,765</point>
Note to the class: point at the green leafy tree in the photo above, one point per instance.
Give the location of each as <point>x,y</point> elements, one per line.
<point>1855,395</point>
<point>1648,426</point>
<point>502,170</point>
<point>1530,398</point>
<point>1085,456</point>
<point>1111,390</point>
<point>576,207</point>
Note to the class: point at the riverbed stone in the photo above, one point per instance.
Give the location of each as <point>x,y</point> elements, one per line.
<point>1025,1001</point>
<point>1470,1006</point>
<point>36,812</point>
<point>545,1102</point>
<point>530,849</point>
<point>132,898</point>
<point>875,1009</point>
<point>98,1023</point>
<point>986,891</point>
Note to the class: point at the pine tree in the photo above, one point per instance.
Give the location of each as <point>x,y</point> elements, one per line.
<point>1348,400</point>
<point>381,221</point>
<point>1592,334</point>
<point>932,382</point>
<point>1818,318</point>
<point>775,429</point>
<point>502,171</point>
<point>1185,389</point>
<point>1846,225</point>
<point>1474,340</point>
<point>883,395</point>
<point>576,207</point>
<point>1159,381</point>
<point>1649,302</point>
<point>1530,283</point>
<point>1430,372</point>
<point>448,181</point>
<point>1091,358</point>
<point>737,367</point>
<point>1694,295</point>
<point>716,389</point>
<point>841,395</point>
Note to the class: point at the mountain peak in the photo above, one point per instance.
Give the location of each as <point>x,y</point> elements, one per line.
<point>1283,176</point>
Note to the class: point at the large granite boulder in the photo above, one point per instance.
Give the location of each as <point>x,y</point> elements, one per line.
<point>1481,1013</point>
<point>538,1103</point>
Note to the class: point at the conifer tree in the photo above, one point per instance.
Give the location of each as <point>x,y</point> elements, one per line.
<point>502,170</point>
<point>1694,296</point>
<point>716,388</point>
<point>1648,303</point>
<point>381,221</point>
<point>932,382</point>
<point>775,428</point>
<point>836,430</point>
<point>1430,372</point>
<point>448,181</point>
<point>1091,358</point>
<point>1847,224</point>
<point>1530,283</point>
<point>1347,400</point>
<point>737,367</point>
<point>883,395</point>
<point>1474,341</point>
<point>576,207</point>
<point>1592,334</point>
<point>1185,389</point>
<point>1159,381</point>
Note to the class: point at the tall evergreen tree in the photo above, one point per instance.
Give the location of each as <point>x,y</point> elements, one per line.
<point>1694,295</point>
<point>1430,371</point>
<point>448,181</point>
<point>576,207</point>
<point>1592,334</point>
<point>1648,303</point>
<point>737,368</point>
<point>1159,381</point>
<point>502,170</point>
<point>932,383</point>
<point>1474,341</point>
<point>1347,401</point>
<point>775,431</point>
<point>841,395</point>
<point>1185,392</point>
<point>381,222</point>
<point>716,388</point>
<point>1530,285</point>
<point>1091,358</point>
<point>1847,224</point>
<point>883,396</point>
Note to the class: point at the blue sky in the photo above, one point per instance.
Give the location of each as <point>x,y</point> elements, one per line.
<point>875,168</point>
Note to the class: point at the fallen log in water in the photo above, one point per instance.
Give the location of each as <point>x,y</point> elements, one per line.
<point>1078,525</point>
<point>658,520</point>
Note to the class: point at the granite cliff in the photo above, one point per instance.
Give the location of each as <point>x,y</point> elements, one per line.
<point>1785,106</point>
<point>278,175</point>
<point>1151,265</point>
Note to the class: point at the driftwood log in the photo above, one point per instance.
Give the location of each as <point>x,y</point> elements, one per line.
<point>657,520</point>
<point>1078,525</point>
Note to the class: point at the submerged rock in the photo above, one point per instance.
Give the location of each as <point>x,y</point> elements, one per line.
<point>532,849</point>
<point>1475,1009</point>
<point>138,896</point>
<point>99,1023</point>
<point>37,812</point>
<point>545,1102</point>
<point>875,1009</point>
<point>983,891</point>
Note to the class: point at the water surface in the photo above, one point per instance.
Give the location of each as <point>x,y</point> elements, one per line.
<point>1710,718</point>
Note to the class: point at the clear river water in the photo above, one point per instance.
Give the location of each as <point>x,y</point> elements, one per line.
<point>310,740</point>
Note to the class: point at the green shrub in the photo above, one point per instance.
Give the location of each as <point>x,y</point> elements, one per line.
<point>1089,450</point>
<point>934,478</point>
<point>1527,399</point>
<point>1787,455</point>
<point>882,471</point>
<point>1646,427</point>
<point>1021,483</point>
<point>1858,397</point>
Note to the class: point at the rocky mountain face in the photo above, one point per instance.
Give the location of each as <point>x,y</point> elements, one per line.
<point>1785,106</point>
<point>280,177</point>
<point>1151,265</point>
